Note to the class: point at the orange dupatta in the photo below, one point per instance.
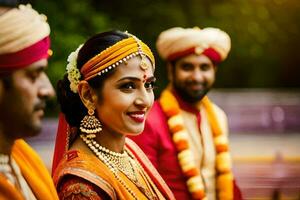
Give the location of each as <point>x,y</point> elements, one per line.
<point>8,191</point>
<point>34,171</point>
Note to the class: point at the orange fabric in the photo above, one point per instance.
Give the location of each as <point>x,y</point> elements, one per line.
<point>8,191</point>
<point>34,171</point>
<point>114,54</point>
<point>83,165</point>
<point>211,116</point>
<point>225,185</point>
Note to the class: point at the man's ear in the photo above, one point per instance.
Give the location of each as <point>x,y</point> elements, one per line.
<point>170,71</point>
<point>87,94</point>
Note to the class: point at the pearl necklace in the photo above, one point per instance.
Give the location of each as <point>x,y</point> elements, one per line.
<point>123,162</point>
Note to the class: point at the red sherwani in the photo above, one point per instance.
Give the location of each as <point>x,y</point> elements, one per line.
<point>157,144</point>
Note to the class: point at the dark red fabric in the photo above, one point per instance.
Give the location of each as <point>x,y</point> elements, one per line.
<point>76,188</point>
<point>180,54</point>
<point>25,57</point>
<point>237,192</point>
<point>60,142</point>
<point>209,52</point>
<point>213,55</point>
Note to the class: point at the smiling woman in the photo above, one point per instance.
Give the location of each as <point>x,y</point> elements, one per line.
<point>105,96</point>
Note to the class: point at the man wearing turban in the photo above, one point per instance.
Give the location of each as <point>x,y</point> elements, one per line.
<point>24,88</point>
<point>186,135</point>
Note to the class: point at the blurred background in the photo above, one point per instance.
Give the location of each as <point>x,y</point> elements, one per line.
<point>258,86</point>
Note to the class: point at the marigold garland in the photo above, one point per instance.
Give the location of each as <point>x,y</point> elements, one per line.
<point>224,180</point>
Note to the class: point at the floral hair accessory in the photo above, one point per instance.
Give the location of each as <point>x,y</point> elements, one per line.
<point>72,70</point>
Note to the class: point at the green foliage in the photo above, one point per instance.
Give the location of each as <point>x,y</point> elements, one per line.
<point>72,22</point>
<point>265,34</point>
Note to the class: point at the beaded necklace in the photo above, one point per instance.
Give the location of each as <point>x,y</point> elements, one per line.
<point>122,162</point>
<point>195,184</point>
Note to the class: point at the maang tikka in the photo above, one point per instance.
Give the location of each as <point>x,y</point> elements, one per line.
<point>90,125</point>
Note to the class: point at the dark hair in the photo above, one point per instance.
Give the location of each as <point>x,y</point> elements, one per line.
<point>70,102</point>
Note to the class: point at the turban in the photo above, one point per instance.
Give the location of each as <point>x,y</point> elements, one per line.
<point>178,42</point>
<point>24,38</point>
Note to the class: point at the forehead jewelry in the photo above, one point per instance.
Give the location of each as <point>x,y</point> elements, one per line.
<point>143,63</point>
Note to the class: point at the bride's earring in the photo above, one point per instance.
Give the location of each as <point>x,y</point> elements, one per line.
<point>90,125</point>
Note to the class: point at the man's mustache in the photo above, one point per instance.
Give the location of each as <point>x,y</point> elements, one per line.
<point>40,106</point>
<point>203,84</point>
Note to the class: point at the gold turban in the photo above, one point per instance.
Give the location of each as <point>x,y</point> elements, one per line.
<point>20,28</point>
<point>176,42</point>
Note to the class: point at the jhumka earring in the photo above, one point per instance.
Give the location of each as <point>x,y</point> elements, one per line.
<point>90,125</point>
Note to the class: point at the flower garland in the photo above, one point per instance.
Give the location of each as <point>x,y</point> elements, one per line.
<point>224,180</point>
<point>72,70</point>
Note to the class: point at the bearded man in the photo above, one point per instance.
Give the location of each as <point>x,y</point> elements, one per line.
<point>186,135</point>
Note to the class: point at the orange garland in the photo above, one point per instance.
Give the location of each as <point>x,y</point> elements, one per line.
<point>186,158</point>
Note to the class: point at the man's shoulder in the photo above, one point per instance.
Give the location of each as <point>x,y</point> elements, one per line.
<point>22,152</point>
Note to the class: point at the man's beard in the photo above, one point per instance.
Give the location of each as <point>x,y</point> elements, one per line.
<point>189,95</point>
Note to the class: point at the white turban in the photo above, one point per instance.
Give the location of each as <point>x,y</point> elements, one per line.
<point>20,28</point>
<point>176,42</point>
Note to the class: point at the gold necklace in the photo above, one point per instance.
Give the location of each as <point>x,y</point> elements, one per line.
<point>139,166</point>
<point>119,162</point>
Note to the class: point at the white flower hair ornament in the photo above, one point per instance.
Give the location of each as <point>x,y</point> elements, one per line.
<point>72,70</point>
